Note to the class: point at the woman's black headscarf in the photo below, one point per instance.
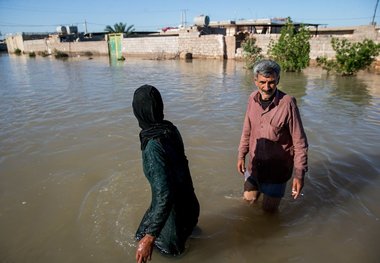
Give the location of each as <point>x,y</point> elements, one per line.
<point>149,110</point>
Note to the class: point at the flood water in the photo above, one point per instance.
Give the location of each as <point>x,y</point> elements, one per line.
<point>71,181</point>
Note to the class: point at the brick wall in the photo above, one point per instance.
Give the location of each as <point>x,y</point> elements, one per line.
<point>49,45</point>
<point>35,45</point>
<point>94,47</point>
<point>320,45</point>
<point>201,46</point>
<point>154,47</point>
<point>14,42</point>
<point>230,47</point>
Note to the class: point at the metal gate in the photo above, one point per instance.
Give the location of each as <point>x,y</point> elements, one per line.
<point>115,41</point>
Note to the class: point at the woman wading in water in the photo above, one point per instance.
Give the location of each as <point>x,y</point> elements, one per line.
<point>174,208</point>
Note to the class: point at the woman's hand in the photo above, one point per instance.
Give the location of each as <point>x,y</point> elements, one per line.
<point>145,249</point>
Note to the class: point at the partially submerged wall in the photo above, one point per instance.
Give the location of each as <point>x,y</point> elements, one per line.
<point>151,47</point>
<point>320,43</point>
<point>156,47</point>
<point>203,46</point>
<point>164,47</point>
<point>49,45</point>
<point>93,47</point>
<point>14,42</point>
<point>199,45</point>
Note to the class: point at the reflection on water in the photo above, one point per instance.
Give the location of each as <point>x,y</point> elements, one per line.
<point>294,84</point>
<point>352,89</point>
<point>71,183</point>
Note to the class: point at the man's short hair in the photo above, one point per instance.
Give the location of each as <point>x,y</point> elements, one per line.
<point>266,67</point>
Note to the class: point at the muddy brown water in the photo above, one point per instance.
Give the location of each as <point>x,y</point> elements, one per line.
<point>71,182</point>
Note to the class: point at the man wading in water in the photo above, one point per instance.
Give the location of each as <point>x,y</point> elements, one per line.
<point>274,137</point>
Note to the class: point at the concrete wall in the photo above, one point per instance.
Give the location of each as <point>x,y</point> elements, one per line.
<point>14,42</point>
<point>151,47</point>
<point>157,47</point>
<point>50,45</point>
<point>201,46</point>
<point>94,47</point>
<point>39,45</point>
<point>230,47</point>
<point>320,44</point>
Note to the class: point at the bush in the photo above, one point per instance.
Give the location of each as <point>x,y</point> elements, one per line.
<point>32,54</point>
<point>17,51</point>
<point>292,49</point>
<point>350,57</point>
<point>60,54</point>
<point>251,52</point>
<point>88,53</point>
<point>42,53</point>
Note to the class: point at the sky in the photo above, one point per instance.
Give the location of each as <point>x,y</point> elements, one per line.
<point>151,15</point>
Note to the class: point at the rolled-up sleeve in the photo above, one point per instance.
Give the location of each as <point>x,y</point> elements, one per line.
<point>300,143</point>
<point>245,136</point>
<point>244,140</point>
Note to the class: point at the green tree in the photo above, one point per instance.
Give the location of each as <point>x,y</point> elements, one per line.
<point>292,49</point>
<point>251,52</point>
<point>350,57</point>
<point>120,28</point>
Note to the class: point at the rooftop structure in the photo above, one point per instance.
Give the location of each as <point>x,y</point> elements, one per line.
<point>256,26</point>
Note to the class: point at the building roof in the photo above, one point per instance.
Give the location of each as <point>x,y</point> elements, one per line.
<point>273,22</point>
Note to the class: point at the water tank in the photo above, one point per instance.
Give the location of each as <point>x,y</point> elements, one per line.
<point>201,20</point>
<point>72,29</point>
<point>61,30</point>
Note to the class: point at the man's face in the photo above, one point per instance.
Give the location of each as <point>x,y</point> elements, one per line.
<point>267,85</point>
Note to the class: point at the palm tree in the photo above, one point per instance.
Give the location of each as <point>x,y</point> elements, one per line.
<point>120,28</point>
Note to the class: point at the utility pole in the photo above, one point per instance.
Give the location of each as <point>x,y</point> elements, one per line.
<point>374,13</point>
<point>85,26</point>
<point>183,17</point>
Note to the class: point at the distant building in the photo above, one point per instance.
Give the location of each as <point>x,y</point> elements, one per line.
<point>256,26</point>
<point>203,39</point>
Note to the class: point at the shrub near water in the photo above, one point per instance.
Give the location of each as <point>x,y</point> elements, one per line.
<point>42,53</point>
<point>251,52</point>
<point>292,49</point>
<point>350,57</point>
<point>60,54</point>
<point>18,51</point>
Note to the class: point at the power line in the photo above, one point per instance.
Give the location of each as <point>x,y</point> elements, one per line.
<point>336,19</point>
<point>28,25</point>
<point>37,25</point>
<point>65,11</point>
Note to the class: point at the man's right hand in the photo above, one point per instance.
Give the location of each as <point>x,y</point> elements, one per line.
<point>241,166</point>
